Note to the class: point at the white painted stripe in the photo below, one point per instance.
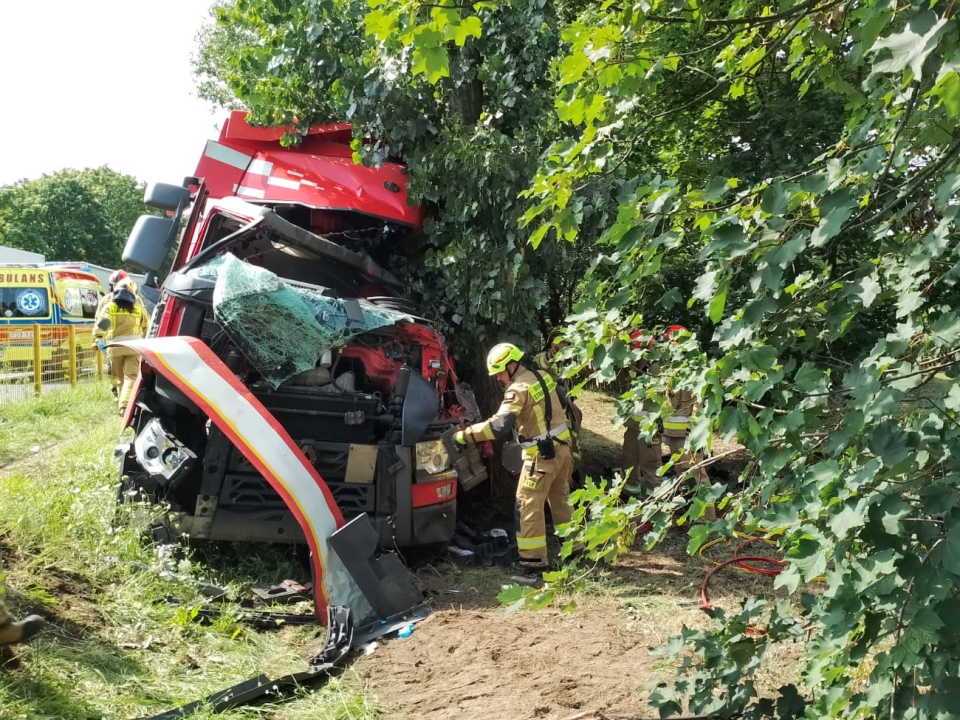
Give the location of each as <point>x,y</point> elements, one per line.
<point>260,167</point>
<point>252,192</point>
<point>284,183</point>
<point>238,412</point>
<point>226,155</point>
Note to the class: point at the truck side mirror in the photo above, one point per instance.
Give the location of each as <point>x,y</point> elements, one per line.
<point>150,242</point>
<point>166,197</point>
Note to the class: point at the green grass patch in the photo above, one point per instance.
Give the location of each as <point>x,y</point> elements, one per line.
<point>122,639</point>
<point>41,421</point>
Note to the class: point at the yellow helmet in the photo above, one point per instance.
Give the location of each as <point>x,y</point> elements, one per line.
<point>500,355</point>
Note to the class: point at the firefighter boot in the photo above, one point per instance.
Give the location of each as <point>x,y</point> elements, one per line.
<point>12,633</point>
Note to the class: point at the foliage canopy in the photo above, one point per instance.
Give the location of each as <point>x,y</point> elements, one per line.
<point>72,215</point>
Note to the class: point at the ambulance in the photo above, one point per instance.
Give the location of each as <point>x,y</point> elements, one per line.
<point>54,299</point>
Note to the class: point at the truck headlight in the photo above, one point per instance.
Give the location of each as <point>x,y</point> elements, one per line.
<point>432,457</point>
<point>161,454</point>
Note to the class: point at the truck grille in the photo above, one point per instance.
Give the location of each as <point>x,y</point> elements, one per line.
<point>244,490</point>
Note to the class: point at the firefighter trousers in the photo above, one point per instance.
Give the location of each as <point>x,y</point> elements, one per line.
<point>686,460</point>
<point>126,364</point>
<point>542,481</point>
<point>641,457</point>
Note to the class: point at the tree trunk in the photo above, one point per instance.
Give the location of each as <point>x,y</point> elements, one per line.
<point>489,395</point>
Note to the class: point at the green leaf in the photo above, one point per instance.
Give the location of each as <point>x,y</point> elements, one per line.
<point>759,359</point>
<point>939,498</point>
<point>706,286</point>
<point>540,600</point>
<point>889,442</point>
<point>809,558</point>
<point>719,300</point>
<point>716,189</point>
<point>911,47</point>
<point>573,67</point>
<point>829,226</point>
<point>510,594</point>
<point>469,27</point>
<point>698,536</point>
<point>774,200</point>
<point>947,552</point>
<point>946,328</point>
<point>852,516</point>
<point>869,288</point>
<point>429,53</point>
<point>808,377</point>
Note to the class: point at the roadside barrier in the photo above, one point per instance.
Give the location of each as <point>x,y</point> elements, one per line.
<point>38,358</point>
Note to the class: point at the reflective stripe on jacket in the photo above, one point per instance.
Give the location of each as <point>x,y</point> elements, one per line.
<point>523,410</point>
<point>678,425</point>
<point>123,324</point>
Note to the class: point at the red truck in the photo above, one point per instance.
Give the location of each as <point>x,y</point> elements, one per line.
<point>279,271</point>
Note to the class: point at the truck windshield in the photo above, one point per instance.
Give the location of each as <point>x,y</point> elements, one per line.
<point>24,302</point>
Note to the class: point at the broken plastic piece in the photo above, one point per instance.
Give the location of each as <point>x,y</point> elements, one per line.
<point>384,581</point>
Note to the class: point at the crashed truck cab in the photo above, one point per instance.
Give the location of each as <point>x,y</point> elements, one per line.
<point>278,293</point>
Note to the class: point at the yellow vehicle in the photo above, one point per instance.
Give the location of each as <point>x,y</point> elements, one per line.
<point>54,299</point>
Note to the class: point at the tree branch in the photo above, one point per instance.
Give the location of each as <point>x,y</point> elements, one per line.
<point>803,8</point>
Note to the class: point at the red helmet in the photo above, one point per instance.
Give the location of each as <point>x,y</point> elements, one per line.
<point>669,333</point>
<point>116,276</point>
<point>636,339</point>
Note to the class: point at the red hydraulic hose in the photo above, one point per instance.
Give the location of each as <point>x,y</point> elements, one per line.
<point>754,568</point>
<point>705,603</point>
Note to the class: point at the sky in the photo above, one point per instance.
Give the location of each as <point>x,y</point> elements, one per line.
<point>101,82</point>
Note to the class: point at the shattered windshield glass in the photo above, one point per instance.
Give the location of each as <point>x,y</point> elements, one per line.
<point>282,328</point>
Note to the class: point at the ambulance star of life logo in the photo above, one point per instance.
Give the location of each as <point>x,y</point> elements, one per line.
<point>30,302</point>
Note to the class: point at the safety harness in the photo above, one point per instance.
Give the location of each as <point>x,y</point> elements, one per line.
<point>551,434</point>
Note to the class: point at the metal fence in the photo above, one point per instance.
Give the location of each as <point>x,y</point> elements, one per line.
<point>38,358</point>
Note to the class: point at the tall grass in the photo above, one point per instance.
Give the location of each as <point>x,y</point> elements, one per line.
<point>122,641</point>
<point>38,422</point>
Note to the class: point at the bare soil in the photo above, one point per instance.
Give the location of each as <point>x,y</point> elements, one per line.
<point>476,664</point>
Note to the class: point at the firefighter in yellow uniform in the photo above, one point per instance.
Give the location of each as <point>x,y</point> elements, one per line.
<point>531,411</point>
<point>676,428</point>
<point>116,372</point>
<point>123,318</point>
<point>546,360</point>
<point>643,458</point>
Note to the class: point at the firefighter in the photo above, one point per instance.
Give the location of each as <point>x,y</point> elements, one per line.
<point>531,411</point>
<point>546,360</point>
<point>16,632</point>
<point>116,372</point>
<point>123,318</point>
<point>641,457</point>
<point>676,428</point>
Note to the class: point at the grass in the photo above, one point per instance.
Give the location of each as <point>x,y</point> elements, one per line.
<point>41,421</point>
<point>121,641</point>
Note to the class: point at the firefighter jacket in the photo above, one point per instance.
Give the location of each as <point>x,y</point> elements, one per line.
<point>523,413</point>
<point>114,323</point>
<point>573,413</point>
<point>684,407</point>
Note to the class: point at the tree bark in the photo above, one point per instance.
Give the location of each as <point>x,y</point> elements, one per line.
<point>489,395</point>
